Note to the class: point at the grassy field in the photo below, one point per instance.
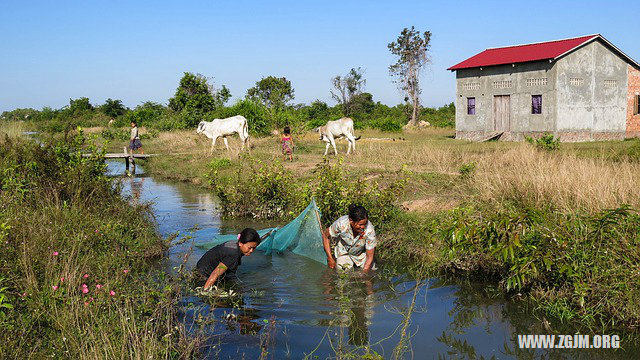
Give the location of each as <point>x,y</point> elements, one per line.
<point>555,227</point>
<point>558,226</point>
<point>444,172</point>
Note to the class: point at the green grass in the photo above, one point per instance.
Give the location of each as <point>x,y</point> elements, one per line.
<point>520,217</point>
<point>77,262</point>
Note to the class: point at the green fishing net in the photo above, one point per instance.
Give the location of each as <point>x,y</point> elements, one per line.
<point>302,236</point>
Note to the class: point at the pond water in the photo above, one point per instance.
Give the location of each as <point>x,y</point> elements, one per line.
<point>294,307</point>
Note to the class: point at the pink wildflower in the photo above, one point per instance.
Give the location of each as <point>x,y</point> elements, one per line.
<point>85,289</point>
<point>62,279</point>
<point>55,253</point>
<point>125,271</point>
<point>86,303</point>
<point>24,294</point>
<point>112,293</point>
<point>96,231</point>
<point>98,286</point>
<point>54,287</point>
<point>85,276</point>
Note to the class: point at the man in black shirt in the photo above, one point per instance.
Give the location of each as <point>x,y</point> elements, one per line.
<point>225,258</point>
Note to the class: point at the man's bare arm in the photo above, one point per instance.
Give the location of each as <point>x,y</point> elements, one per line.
<point>327,249</point>
<point>369,260</point>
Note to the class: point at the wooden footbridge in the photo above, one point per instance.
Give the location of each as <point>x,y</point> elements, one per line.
<point>129,158</point>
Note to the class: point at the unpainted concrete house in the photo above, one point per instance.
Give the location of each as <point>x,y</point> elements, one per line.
<point>579,89</point>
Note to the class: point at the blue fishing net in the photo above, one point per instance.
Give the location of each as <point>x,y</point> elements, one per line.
<point>302,236</point>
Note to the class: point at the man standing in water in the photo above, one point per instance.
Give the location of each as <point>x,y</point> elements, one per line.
<point>225,258</point>
<point>356,240</point>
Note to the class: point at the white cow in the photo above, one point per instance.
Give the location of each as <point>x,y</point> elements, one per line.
<point>335,130</point>
<point>223,128</point>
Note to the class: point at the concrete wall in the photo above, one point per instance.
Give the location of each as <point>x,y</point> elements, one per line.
<point>522,121</point>
<point>593,105</point>
<point>633,121</point>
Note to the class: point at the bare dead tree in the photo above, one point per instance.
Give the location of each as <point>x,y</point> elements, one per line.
<point>346,87</point>
<point>412,48</point>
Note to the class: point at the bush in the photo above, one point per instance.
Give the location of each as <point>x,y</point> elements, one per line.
<point>387,124</point>
<point>217,164</point>
<point>168,121</point>
<point>115,134</point>
<point>546,142</point>
<point>266,191</point>
<point>143,115</point>
<point>256,114</point>
<point>444,116</point>
<point>581,258</point>
<point>466,170</point>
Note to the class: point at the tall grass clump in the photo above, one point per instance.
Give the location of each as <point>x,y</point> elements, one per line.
<point>565,182</point>
<point>11,129</point>
<point>77,261</point>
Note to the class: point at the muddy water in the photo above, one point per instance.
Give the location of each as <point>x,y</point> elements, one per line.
<point>293,307</point>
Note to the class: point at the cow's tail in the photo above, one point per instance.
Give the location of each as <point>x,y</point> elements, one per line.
<point>357,137</point>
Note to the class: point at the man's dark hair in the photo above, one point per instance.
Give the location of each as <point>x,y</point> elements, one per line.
<point>287,130</point>
<point>249,235</point>
<point>357,212</point>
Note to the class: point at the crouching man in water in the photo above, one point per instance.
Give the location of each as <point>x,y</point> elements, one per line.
<point>223,260</point>
<point>356,240</point>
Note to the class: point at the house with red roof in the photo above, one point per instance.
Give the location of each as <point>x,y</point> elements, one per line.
<point>579,89</point>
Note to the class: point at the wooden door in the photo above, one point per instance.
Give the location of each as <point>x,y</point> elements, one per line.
<point>501,112</point>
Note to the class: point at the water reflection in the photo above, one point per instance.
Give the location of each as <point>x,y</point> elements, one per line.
<point>354,295</point>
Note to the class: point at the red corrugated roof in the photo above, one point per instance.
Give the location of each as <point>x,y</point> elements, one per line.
<point>523,53</point>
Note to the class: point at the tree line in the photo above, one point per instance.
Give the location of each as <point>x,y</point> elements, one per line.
<point>269,104</point>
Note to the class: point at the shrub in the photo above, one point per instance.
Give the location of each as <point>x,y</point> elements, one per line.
<point>546,142</point>
<point>256,114</point>
<point>466,170</point>
<point>387,124</point>
<point>221,163</point>
<point>582,258</point>
<point>144,114</point>
<point>267,191</point>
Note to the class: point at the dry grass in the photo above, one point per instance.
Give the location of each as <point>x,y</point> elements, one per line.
<point>12,129</point>
<point>565,181</point>
<point>579,177</point>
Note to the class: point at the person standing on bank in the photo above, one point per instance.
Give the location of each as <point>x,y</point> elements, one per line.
<point>223,260</point>
<point>356,240</point>
<point>134,140</point>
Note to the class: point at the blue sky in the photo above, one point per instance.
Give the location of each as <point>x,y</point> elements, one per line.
<point>136,51</point>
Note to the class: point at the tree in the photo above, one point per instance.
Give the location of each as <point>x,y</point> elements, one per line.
<point>196,96</point>
<point>362,103</point>
<point>272,92</point>
<point>412,48</point>
<point>79,105</point>
<point>113,108</point>
<point>318,111</point>
<point>222,96</point>
<point>145,113</point>
<point>193,93</point>
<point>346,87</point>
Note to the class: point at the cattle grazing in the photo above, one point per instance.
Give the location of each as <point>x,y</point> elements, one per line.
<point>223,128</point>
<point>335,130</point>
